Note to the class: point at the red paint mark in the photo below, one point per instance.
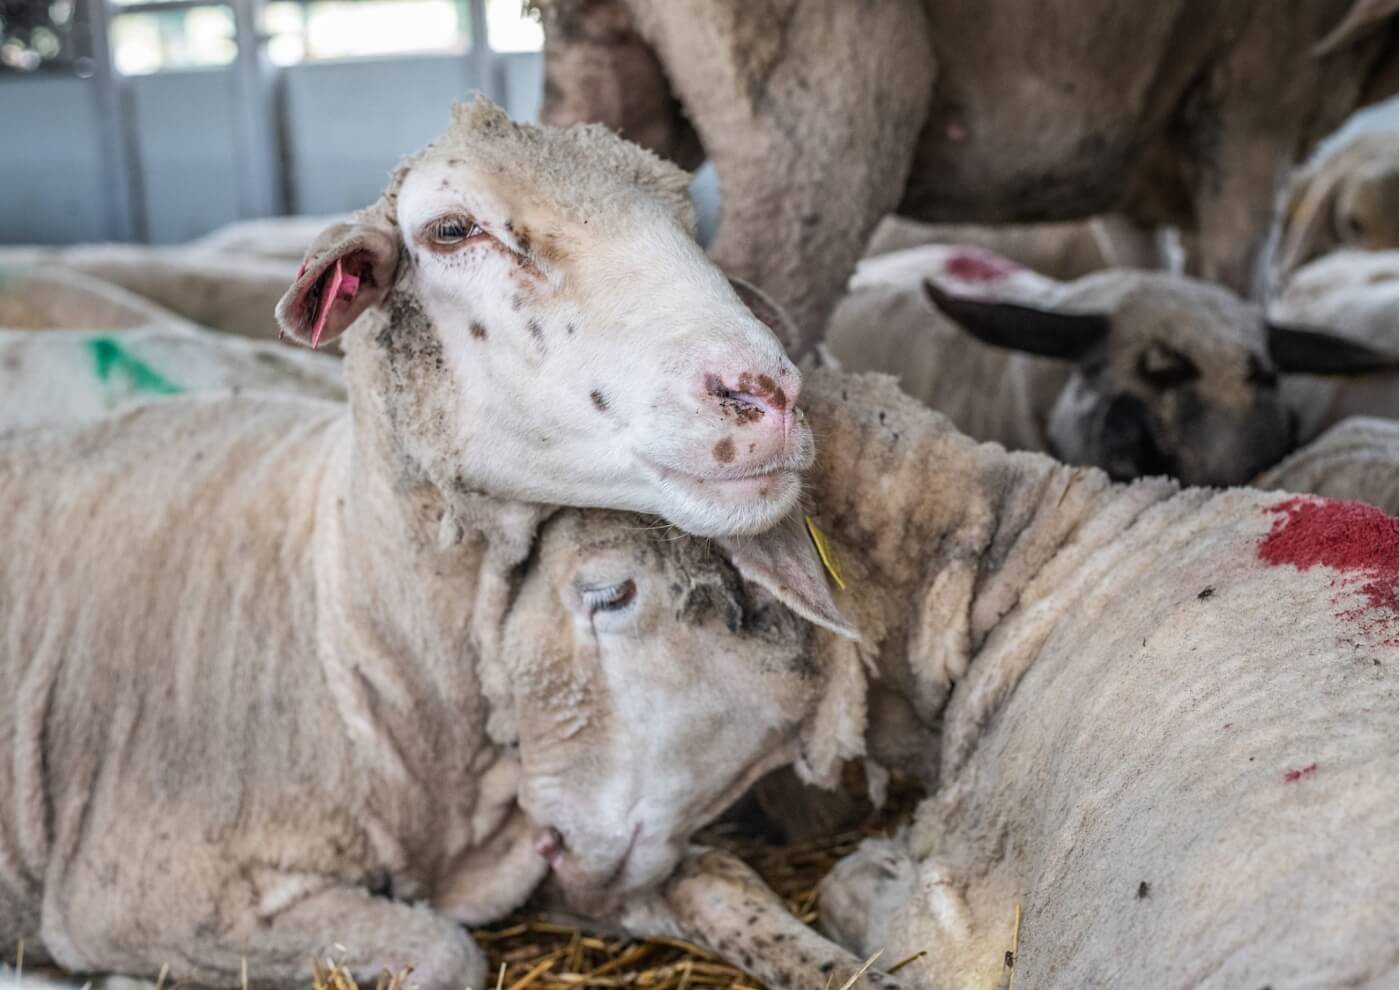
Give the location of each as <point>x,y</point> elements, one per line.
<point>1358,541</point>
<point>978,267</point>
<point>1292,775</point>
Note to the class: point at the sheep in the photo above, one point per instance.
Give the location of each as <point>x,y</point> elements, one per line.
<point>78,377</point>
<point>313,623</point>
<point>269,238</point>
<point>45,298</point>
<point>1344,198</point>
<point>320,722</point>
<point>1063,251</point>
<point>1135,372</point>
<point>1160,722</point>
<point>1355,460</point>
<point>1357,294</point>
<point>222,291</point>
<point>961,111</point>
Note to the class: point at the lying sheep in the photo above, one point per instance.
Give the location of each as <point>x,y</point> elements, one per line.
<point>270,238</point>
<point>1357,460</point>
<point>1064,250</point>
<point>1345,198</point>
<point>320,645</point>
<point>1356,293</point>
<point>77,377</point>
<point>52,298</point>
<point>1161,722</point>
<point>1138,373</point>
<point>323,724</point>
<point>224,292</point>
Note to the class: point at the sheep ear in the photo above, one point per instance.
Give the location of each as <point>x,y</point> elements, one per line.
<point>1044,332</point>
<point>1298,350</point>
<point>784,562</point>
<point>769,313</point>
<point>348,268</point>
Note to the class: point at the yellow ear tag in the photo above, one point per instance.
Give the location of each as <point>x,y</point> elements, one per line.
<point>824,552</point>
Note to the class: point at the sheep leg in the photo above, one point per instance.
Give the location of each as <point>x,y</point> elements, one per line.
<point>718,903</point>
<point>366,934</point>
<point>808,160</point>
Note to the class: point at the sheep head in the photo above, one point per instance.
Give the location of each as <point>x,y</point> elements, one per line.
<point>649,684</point>
<point>539,323</point>
<point>1170,375</point>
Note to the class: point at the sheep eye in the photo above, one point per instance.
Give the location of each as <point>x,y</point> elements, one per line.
<point>452,230</point>
<point>1163,367</point>
<point>612,598</point>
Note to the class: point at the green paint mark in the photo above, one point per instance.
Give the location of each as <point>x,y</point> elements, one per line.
<point>109,360</point>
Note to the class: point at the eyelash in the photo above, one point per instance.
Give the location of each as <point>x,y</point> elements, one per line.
<point>612,598</point>
<point>450,230</point>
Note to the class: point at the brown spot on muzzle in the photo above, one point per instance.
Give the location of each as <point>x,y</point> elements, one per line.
<point>477,330</point>
<point>600,401</point>
<point>724,451</point>
<point>764,388</point>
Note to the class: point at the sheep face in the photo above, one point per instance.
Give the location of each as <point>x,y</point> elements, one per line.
<point>549,320</point>
<point>1182,384</point>
<point>1171,375</point>
<point>652,686</point>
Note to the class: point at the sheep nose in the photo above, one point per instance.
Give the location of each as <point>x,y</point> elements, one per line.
<point>751,396</point>
<point>549,844</point>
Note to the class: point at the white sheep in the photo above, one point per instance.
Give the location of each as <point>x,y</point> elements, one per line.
<point>77,377</point>
<point>226,292</point>
<point>273,710</point>
<point>1160,722</point>
<point>41,297</point>
<point>1357,294</point>
<point>315,647</point>
<point>1063,250</point>
<point>1344,198</point>
<point>1135,372</point>
<point>1355,459</point>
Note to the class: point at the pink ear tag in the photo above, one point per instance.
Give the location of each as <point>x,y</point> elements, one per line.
<point>341,286</point>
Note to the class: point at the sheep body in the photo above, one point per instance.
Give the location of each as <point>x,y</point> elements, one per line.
<point>1149,713</point>
<point>1355,294</point>
<point>1355,460</point>
<point>74,377</point>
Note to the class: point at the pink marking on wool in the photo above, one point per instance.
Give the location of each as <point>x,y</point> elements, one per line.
<point>1293,775</point>
<point>978,267</point>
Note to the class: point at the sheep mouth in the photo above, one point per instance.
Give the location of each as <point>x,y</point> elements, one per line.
<point>587,889</point>
<point>773,470</point>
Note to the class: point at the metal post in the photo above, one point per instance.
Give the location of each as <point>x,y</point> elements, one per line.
<point>119,219</point>
<point>479,54</point>
<point>255,134</point>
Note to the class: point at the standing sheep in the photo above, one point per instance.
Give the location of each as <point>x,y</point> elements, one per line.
<point>1138,373</point>
<point>1187,112</point>
<point>1160,722</point>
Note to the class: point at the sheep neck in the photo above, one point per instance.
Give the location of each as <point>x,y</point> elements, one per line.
<point>941,538</point>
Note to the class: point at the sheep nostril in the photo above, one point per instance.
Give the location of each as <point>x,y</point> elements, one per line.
<point>549,844</point>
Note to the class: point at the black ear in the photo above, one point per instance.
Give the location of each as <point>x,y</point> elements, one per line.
<point>1312,352</point>
<point>1068,336</point>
